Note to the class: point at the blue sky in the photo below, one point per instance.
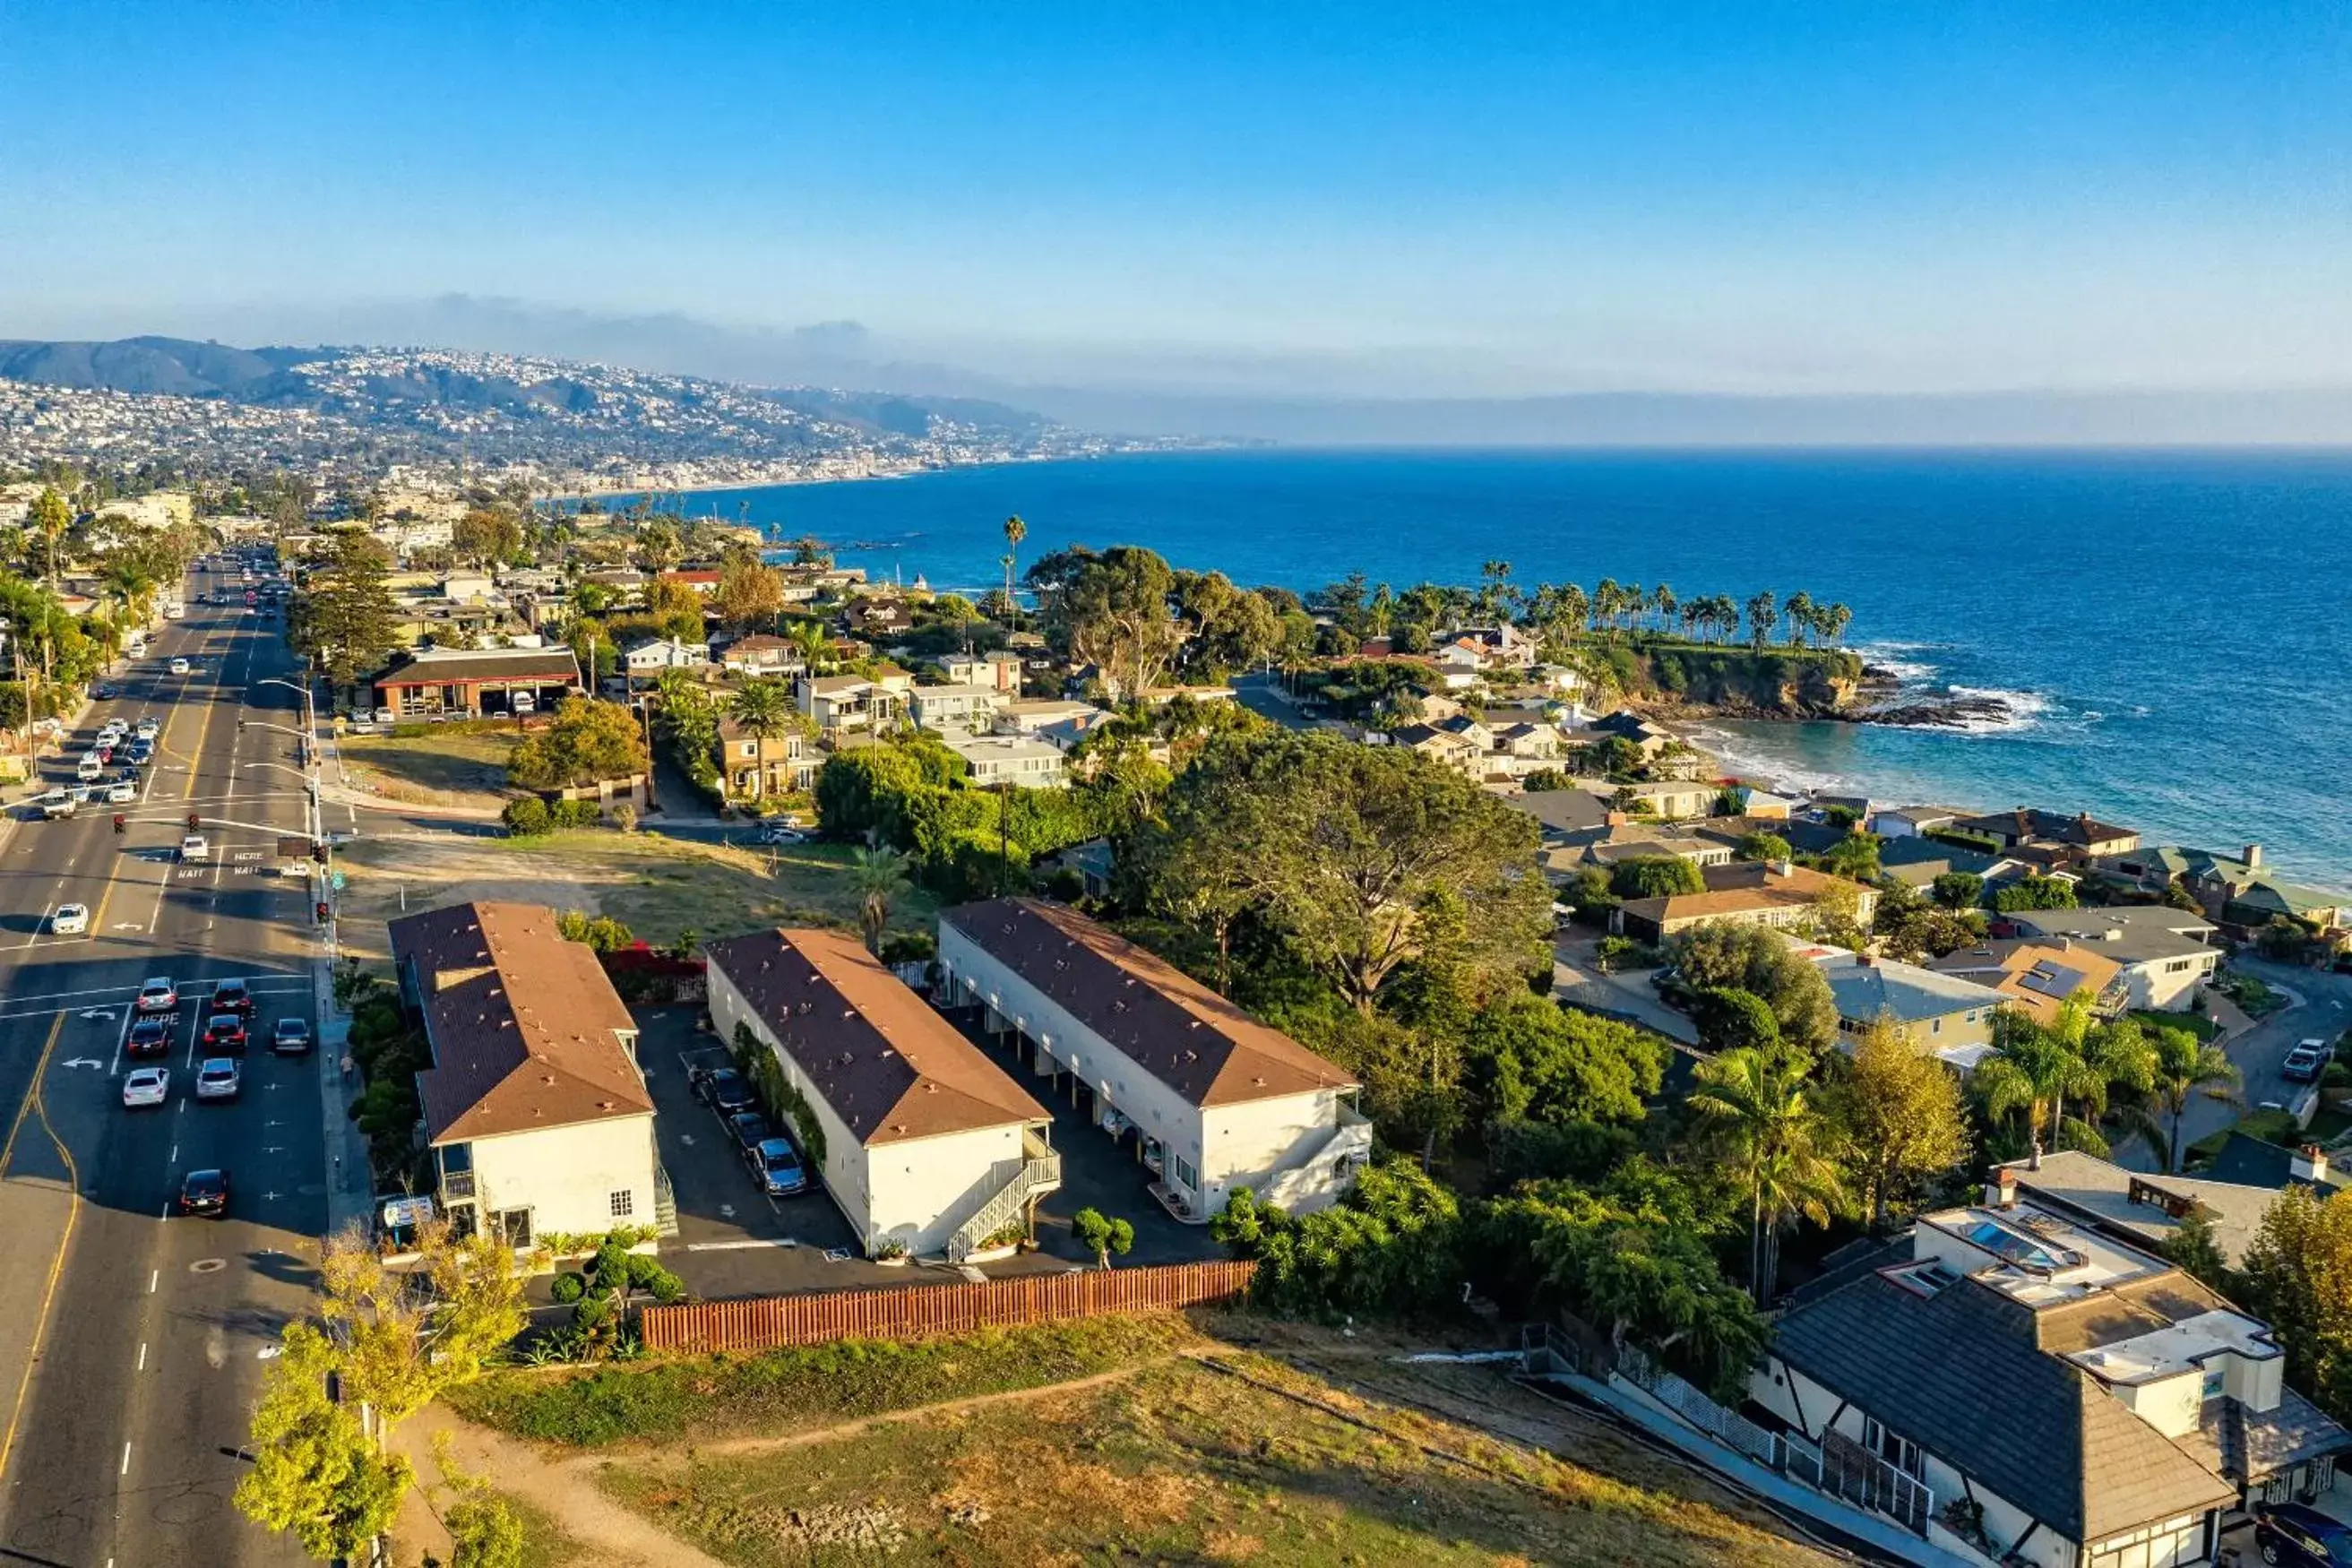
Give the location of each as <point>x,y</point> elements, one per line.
<point>1323,201</point>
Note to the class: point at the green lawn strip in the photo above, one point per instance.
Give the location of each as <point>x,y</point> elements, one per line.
<point>2197,1024</point>
<point>2270,1126</point>
<point>705,1398</point>
<point>1178,1464</point>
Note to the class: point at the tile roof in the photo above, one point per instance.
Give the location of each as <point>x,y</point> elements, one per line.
<point>1169,1023</point>
<point>1958,1374</point>
<point>2035,973</point>
<point>2252,1444</point>
<point>2026,824</point>
<point>525,1027</point>
<point>888,1065</point>
<point>1745,887</point>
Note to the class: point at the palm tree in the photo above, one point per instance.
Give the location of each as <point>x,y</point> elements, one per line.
<point>762,708</point>
<point>2184,1064</point>
<point>1015,530</point>
<point>1799,609</point>
<point>1760,617</point>
<point>1662,600</point>
<point>1775,1136</point>
<point>808,639</point>
<point>2035,1068</point>
<point>879,876</point>
<point>1834,620</point>
<point>1604,602</point>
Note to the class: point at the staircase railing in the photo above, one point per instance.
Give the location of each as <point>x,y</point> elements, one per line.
<point>1031,1178</point>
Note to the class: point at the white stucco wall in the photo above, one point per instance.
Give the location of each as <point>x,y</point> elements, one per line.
<point>916,1192</point>
<point>567,1175</point>
<point>2159,987</point>
<point>1228,1146</point>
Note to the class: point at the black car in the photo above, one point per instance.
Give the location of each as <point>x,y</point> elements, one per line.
<point>2290,1532</point>
<point>224,1033</point>
<point>723,1089</point>
<point>232,996</point>
<point>749,1129</point>
<point>149,1038</point>
<point>205,1193</point>
<point>290,1038</point>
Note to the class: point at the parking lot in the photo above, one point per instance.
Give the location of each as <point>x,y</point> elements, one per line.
<point>733,1241</point>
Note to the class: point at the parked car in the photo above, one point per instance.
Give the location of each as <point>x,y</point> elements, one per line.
<point>386,716</point>
<point>149,728</point>
<point>781,832</point>
<point>290,1038</point>
<point>158,995</point>
<point>723,1089</point>
<point>2305,1062</point>
<point>523,703</point>
<point>777,1167</point>
<point>148,1038</point>
<point>233,997</point>
<point>205,1193</point>
<point>218,1079</point>
<point>146,1087</point>
<point>749,1129</point>
<point>225,1032</point>
<point>2291,1532</point>
<point>70,919</point>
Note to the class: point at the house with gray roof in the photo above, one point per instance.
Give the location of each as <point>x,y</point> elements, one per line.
<point>2025,1388</point>
<point>1946,1014</point>
<point>2235,889</point>
<point>2162,950</point>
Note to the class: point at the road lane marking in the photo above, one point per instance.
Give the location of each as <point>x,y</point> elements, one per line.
<point>126,1458</point>
<point>56,1265</point>
<point>142,1356</point>
<point>153,1275</point>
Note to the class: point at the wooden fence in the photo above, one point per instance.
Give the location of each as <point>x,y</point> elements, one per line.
<point>920,1311</point>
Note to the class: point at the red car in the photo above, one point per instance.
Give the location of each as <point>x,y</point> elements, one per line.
<point>225,1032</point>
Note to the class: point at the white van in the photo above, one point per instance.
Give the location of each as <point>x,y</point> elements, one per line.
<point>174,609</point>
<point>524,703</point>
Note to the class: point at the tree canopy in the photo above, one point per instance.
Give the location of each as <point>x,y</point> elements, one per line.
<point>344,616</point>
<point>1760,961</point>
<point>589,740</point>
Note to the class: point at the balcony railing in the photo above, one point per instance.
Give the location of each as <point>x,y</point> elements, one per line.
<point>457,1186</point>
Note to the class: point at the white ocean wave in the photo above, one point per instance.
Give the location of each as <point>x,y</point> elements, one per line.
<point>2026,708</point>
<point>1890,658</point>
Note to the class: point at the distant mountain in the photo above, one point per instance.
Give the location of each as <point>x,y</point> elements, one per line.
<point>211,405</point>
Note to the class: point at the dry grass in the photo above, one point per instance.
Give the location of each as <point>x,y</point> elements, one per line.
<point>1180,1462</point>
<point>440,764</point>
<point>658,887</point>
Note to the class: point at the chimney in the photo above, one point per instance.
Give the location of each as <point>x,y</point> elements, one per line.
<point>2308,1163</point>
<point>2002,1191</point>
<point>1863,960</point>
<point>2254,857</point>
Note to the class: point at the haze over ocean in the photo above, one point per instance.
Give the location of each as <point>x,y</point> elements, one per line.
<point>2174,629</point>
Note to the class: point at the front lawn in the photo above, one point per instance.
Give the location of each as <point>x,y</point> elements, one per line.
<point>2197,1024</point>
<point>2270,1126</point>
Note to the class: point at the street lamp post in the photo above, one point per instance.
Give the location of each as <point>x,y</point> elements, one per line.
<point>321,851</point>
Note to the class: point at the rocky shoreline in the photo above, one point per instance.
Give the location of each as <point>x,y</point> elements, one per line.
<point>1881,698</point>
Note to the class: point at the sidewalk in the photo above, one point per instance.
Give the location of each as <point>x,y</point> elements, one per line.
<point>350,1181</point>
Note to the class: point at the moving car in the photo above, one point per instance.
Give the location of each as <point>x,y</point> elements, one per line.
<point>148,1038</point>
<point>179,667</point>
<point>158,995</point>
<point>146,1087</point>
<point>58,803</point>
<point>121,793</point>
<point>148,728</point>
<point>776,1166</point>
<point>225,1032</point>
<point>90,769</point>
<point>2290,1532</point>
<point>2305,1062</point>
<point>781,832</point>
<point>722,1089</point>
<point>193,848</point>
<point>218,1079</point>
<point>205,1193</point>
<point>70,919</point>
<point>232,996</point>
<point>290,1038</point>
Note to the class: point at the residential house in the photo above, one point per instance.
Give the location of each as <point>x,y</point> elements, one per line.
<point>477,682</point>
<point>954,707</point>
<point>1913,821</point>
<point>1035,714</point>
<point>1916,861</point>
<point>1948,1015</point>
<point>1010,760</point>
<point>1563,814</point>
<point>533,1105</point>
<point>923,1143</point>
<point>2163,951</point>
<point>647,659</point>
<point>1000,670</point>
<point>2028,1389</point>
<point>841,703</point>
<point>1746,893</point>
<point>1445,747</point>
<point>2249,1162</point>
<point>877,616</point>
<point>1457,665</point>
<point>1763,804</point>
<point>1672,800</point>
<point>1647,736</point>
<point>2140,1208</point>
<point>2039,977</point>
<point>2238,890</point>
<point>2065,839</point>
<point>756,767</point>
<point>1504,645</point>
<point>1217,1099</point>
<point>760,654</point>
<point>703,580</point>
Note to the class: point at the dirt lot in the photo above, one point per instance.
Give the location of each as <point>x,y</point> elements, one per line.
<point>658,887</point>
<point>458,764</point>
<point>1187,1447</point>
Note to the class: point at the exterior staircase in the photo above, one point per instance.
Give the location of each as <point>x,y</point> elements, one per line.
<point>1035,1174</point>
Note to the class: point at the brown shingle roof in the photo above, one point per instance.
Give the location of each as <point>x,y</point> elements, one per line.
<point>509,664</point>
<point>1166,1022</point>
<point>525,1026</point>
<point>889,1066</point>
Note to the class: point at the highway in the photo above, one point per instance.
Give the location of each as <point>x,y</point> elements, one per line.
<point>132,1343</point>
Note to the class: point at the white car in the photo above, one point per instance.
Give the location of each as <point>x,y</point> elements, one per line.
<point>146,1086</point>
<point>524,703</point>
<point>148,728</point>
<point>782,833</point>
<point>193,848</point>
<point>70,919</point>
<point>217,1079</point>
<point>179,667</point>
<point>386,716</point>
<point>90,770</point>
<point>123,794</point>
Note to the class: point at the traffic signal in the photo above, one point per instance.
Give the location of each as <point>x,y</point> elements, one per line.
<point>194,822</point>
<point>319,853</point>
<point>322,912</point>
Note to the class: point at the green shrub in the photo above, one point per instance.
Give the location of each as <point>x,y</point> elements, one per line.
<point>527,817</point>
<point>569,1286</point>
<point>575,814</point>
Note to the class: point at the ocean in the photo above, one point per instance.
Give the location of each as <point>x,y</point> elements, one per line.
<point>2173,631</point>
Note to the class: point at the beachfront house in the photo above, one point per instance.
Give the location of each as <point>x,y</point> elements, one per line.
<point>2234,889</point>
<point>1215,1099</point>
<point>2062,839</point>
<point>534,1109</point>
<point>922,1142</point>
<point>2021,1386</point>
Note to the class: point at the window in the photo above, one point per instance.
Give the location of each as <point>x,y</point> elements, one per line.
<point>2215,1377</point>
<point>513,1227</point>
<point>624,1204</point>
<point>1180,1170</point>
<point>1898,1451</point>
